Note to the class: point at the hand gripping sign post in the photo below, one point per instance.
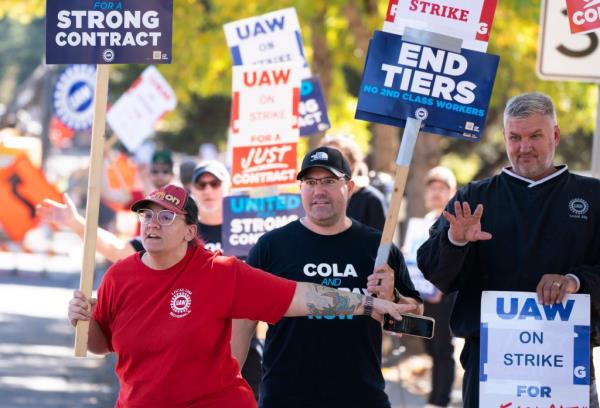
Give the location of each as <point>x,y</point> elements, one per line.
<point>424,76</point>
<point>104,32</point>
<point>534,355</point>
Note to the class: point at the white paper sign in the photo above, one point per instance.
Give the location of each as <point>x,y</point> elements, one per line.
<point>265,104</point>
<point>135,114</point>
<point>267,39</point>
<point>534,355</point>
<point>469,20</point>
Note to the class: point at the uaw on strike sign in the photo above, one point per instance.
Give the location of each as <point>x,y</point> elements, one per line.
<point>103,32</point>
<point>449,91</point>
<point>264,124</point>
<point>534,355</point>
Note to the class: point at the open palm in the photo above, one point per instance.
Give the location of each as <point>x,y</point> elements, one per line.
<point>464,225</point>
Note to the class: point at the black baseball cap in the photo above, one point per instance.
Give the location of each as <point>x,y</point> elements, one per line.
<point>328,158</point>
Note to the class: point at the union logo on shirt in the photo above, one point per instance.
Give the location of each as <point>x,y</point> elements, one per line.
<point>181,303</point>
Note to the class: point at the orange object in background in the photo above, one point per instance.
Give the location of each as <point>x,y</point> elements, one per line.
<point>60,134</point>
<point>22,187</point>
<point>121,172</point>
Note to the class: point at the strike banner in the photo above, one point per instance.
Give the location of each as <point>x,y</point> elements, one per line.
<point>246,219</point>
<point>469,20</point>
<point>265,104</point>
<point>262,166</point>
<point>134,115</point>
<point>270,38</point>
<point>417,232</point>
<point>22,187</point>
<point>312,109</point>
<point>73,96</point>
<point>108,32</point>
<point>450,92</point>
<point>584,15</point>
<point>534,355</point>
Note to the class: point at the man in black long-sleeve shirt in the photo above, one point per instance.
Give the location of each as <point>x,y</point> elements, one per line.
<point>540,232</point>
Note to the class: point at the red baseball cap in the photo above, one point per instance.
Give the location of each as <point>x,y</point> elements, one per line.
<point>170,197</point>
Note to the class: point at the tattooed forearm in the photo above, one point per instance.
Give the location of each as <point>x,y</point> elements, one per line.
<point>324,301</point>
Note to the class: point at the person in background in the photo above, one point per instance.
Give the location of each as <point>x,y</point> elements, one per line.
<point>186,171</point>
<point>367,204</point>
<point>440,188</point>
<point>534,228</point>
<point>182,298</point>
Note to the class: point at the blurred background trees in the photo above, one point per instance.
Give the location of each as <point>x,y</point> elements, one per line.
<point>336,35</point>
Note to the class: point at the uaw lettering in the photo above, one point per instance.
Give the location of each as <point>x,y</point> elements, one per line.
<point>332,275</point>
<point>312,108</point>
<point>246,219</point>
<point>452,90</point>
<point>534,354</point>
<point>104,31</point>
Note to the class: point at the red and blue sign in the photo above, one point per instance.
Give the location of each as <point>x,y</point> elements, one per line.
<point>109,32</point>
<point>448,91</point>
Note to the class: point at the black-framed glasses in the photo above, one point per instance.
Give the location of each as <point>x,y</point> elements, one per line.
<point>201,185</point>
<point>327,182</point>
<point>163,217</point>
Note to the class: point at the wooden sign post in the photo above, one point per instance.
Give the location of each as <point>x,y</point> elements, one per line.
<point>93,202</point>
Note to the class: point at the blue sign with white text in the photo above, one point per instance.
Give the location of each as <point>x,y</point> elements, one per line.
<point>246,219</point>
<point>312,108</point>
<point>450,92</point>
<point>109,32</point>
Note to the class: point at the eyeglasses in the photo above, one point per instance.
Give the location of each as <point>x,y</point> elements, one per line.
<point>163,217</point>
<point>327,182</point>
<point>201,185</point>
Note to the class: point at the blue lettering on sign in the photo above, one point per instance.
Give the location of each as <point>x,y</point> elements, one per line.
<point>245,204</point>
<point>260,28</point>
<point>530,309</point>
<point>108,5</point>
<point>534,391</point>
<point>306,88</point>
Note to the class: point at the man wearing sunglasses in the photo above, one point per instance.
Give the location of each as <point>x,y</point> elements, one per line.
<point>333,361</point>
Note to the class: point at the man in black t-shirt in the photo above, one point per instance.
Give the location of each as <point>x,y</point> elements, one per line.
<point>329,361</point>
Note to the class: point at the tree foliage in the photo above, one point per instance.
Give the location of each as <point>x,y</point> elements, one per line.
<point>336,34</point>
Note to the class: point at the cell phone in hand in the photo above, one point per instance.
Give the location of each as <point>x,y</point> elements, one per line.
<point>412,325</point>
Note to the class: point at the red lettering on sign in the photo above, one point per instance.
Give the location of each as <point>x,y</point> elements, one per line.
<point>435,9</point>
<point>268,78</point>
<point>584,15</point>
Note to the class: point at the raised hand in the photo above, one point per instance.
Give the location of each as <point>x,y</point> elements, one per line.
<point>63,215</point>
<point>464,225</point>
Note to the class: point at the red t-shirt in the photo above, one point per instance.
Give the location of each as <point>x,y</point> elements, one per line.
<point>171,328</point>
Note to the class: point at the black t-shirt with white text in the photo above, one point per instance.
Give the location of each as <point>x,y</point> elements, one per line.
<point>332,361</point>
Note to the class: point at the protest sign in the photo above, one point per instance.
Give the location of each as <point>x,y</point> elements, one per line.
<point>134,116</point>
<point>246,219</point>
<point>264,165</point>
<point>449,91</point>
<point>105,32</point>
<point>417,232</point>
<point>312,109</point>
<point>267,39</point>
<point>265,104</point>
<point>469,20</point>
<point>584,15</point>
<point>532,354</point>
<point>73,96</point>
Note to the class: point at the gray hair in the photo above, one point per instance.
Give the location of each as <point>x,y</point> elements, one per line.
<point>527,104</point>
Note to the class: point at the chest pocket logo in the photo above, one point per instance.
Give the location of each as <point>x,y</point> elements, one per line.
<point>181,303</point>
<point>578,208</point>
